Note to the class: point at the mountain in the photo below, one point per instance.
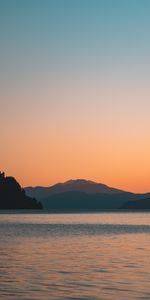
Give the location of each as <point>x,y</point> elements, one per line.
<point>137,204</point>
<point>75,200</point>
<point>82,194</point>
<point>80,185</point>
<point>12,196</point>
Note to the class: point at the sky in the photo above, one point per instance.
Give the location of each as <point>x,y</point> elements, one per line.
<point>74,91</point>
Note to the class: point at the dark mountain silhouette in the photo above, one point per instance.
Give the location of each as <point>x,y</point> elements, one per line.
<point>79,185</point>
<point>82,195</point>
<point>12,196</point>
<point>137,204</point>
<point>75,200</point>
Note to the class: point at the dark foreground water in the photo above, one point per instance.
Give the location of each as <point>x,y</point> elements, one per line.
<point>75,256</point>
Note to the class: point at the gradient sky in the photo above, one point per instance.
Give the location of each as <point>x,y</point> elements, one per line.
<point>75,91</point>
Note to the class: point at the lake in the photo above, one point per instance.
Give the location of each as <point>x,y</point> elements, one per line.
<point>75,256</point>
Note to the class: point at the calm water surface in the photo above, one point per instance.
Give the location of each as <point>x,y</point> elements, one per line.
<point>75,256</point>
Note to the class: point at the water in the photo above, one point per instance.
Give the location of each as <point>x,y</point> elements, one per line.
<point>75,256</point>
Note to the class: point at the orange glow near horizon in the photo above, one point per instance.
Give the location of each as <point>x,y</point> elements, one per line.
<point>103,158</point>
<point>92,144</point>
<point>75,93</point>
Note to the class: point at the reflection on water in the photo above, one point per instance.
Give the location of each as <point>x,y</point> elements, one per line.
<point>75,256</point>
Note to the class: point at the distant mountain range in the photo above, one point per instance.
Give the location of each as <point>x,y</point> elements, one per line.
<point>72,195</point>
<point>83,194</point>
<point>79,185</point>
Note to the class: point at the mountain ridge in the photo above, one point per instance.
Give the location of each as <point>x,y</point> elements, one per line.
<point>82,194</point>
<point>81,185</point>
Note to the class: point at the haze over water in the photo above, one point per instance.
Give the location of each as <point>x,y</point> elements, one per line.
<point>75,256</point>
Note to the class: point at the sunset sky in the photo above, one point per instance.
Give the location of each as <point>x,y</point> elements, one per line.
<point>75,91</point>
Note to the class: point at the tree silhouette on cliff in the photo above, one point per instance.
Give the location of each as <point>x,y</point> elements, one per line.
<point>12,196</point>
